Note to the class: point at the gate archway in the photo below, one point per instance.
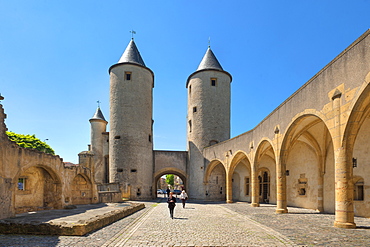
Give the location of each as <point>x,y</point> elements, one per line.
<point>169,170</point>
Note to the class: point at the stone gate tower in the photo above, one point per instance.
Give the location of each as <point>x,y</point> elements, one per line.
<point>208,115</point>
<point>130,137</point>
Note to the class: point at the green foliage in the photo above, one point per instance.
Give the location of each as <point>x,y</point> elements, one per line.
<point>170,179</point>
<point>30,141</point>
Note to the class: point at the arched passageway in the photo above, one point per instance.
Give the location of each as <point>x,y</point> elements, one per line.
<point>38,188</point>
<point>164,185</point>
<point>215,180</point>
<point>266,173</point>
<point>357,146</point>
<point>308,155</point>
<point>170,170</point>
<point>240,175</point>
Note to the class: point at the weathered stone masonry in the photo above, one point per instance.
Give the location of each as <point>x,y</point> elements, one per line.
<point>311,151</point>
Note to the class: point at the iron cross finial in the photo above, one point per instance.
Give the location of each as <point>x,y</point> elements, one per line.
<point>132,34</point>
<point>98,103</point>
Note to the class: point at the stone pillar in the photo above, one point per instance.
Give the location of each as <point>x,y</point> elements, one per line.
<point>229,187</point>
<point>344,215</point>
<point>320,182</point>
<point>254,183</point>
<point>281,204</point>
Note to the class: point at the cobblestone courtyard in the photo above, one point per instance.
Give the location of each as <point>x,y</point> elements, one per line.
<point>212,224</point>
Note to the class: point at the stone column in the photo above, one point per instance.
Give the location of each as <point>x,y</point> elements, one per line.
<point>320,182</point>
<point>344,215</point>
<point>254,183</point>
<point>281,204</point>
<point>229,187</point>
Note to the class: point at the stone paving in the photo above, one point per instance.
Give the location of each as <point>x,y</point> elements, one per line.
<point>212,224</point>
<point>306,227</point>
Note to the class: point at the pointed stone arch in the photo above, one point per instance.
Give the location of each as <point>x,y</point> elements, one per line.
<point>81,189</point>
<point>264,146</point>
<point>307,163</point>
<point>215,181</point>
<point>239,156</point>
<point>265,161</point>
<point>356,144</point>
<point>239,176</point>
<point>360,112</point>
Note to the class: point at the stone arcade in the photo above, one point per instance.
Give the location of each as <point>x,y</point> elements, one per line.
<point>309,152</point>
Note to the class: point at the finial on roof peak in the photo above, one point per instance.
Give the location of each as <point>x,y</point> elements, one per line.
<point>209,42</point>
<point>132,34</point>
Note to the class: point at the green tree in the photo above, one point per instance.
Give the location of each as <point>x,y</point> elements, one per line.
<point>170,179</point>
<point>30,141</point>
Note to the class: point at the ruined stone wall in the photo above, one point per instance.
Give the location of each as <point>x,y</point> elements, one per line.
<point>47,182</point>
<point>6,192</point>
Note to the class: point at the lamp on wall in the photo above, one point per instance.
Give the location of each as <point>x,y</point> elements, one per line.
<point>354,162</point>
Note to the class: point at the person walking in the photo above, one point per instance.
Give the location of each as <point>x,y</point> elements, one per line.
<point>171,203</point>
<point>183,197</point>
<point>168,192</point>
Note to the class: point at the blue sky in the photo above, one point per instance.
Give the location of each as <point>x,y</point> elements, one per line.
<point>55,57</point>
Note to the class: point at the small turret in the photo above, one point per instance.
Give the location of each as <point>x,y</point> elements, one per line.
<point>98,141</point>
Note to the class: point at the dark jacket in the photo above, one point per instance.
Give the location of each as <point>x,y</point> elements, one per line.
<point>171,202</point>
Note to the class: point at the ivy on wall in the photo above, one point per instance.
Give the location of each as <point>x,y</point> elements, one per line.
<point>30,141</point>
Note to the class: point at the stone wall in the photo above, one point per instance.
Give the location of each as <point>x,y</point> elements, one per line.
<point>48,183</point>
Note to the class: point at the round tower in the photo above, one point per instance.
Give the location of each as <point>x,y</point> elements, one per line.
<point>208,115</point>
<point>130,137</point>
<point>98,141</point>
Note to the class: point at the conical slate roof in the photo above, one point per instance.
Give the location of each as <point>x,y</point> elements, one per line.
<point>209,61</point>
<point>132,55</point>
<point>98,115</point>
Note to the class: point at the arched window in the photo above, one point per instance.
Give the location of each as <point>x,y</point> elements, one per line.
<point>264,182</point>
